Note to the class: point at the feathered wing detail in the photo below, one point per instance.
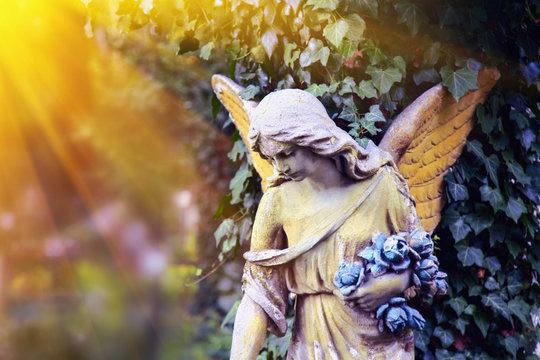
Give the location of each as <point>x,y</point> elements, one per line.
<point>228,92</point>
<point>428,137</point>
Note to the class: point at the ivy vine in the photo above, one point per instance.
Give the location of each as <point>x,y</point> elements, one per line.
<point>366,60</point>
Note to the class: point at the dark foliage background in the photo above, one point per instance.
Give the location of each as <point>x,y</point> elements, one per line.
<point>367,60</point>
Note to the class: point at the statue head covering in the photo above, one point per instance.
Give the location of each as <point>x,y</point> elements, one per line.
<point>296,117</point>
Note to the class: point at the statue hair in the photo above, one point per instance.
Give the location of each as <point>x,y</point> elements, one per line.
<point>296,117</point>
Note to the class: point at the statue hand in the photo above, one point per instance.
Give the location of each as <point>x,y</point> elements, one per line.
<point>375,291</point>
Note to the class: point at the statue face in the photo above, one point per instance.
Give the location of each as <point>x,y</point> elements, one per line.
<point>295,163</point>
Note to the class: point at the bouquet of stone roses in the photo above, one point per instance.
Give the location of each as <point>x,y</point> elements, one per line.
<point>394,253</point>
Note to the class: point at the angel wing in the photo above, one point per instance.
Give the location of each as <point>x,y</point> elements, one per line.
<point>228,92</point>
<point>424,140</point>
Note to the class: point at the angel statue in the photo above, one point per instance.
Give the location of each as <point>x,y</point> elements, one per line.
<point>344,229</point>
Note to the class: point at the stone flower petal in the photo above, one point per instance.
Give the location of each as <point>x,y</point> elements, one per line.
<point>379,260</point>
<point>378,270</point>
<point>396,300</point>
<point>415,320</point>
<point>381,310</point>
<point>396,319</point>
<point>368,254</point>
<point>402,265</point>
<point>379,241</point>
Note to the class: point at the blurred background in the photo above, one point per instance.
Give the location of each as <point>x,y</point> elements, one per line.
<point>111,170</point>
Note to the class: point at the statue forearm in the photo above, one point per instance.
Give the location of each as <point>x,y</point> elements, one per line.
<point>378,290</point>
<point>249,330</point>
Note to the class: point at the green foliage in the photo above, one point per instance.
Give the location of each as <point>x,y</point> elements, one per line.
<point>366,60</point>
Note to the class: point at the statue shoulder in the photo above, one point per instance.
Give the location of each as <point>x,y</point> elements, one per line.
<point>268,221</point>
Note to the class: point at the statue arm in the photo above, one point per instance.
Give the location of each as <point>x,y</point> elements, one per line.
<point>249,330</point>
<point>251,320</point>
<point>377,291</point>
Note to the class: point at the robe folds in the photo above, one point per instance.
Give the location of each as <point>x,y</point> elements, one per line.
<point>325,327</point>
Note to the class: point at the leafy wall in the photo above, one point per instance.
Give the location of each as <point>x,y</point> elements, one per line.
<point>366,60</point>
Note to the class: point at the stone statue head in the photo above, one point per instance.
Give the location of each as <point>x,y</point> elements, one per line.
<point>295,117</point>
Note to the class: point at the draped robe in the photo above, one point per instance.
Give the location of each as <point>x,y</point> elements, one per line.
<point>325,327</point>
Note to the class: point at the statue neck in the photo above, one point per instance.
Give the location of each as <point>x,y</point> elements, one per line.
<point>325,175</point>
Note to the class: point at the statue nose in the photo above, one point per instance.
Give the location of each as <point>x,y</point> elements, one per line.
<point>281,166</point>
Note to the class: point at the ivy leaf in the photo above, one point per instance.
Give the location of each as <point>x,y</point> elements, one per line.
<point>249,92</point>
<point>458,82</point>
<point>206,50</point>
<point>238,183</point>
<point>458,304</point>
<point>375,114</point>
<point>428,75</point>
<point>369,7</point>
<point>230,315</point>
<point>259,54</point>
<point>432,52</point>
<point>520,309</point>
<point>448,16</point>
<point>495,302</point>
<point>374,53</point>
<point>335,32</point>
<point>482,322</point>
<point>479,221</point>
<point>347,86</point>
<point>475,147</point>
<point>457,191</point>
<point>290,54</point>
<point>216,105</point>
<point>469,255</point>
<point>323,4</point>
<point>349,114</point>
<point>492,164</point>
<point>294,4</point>
<point>365,89</point>
<point>357,26</point>
<point>369,119</point>
<point>399,63</point>
<point>491,284</point>
<point>347,48</point>
<point>492,264</point>
<point>459,229</point>
<point>487,122</point>
<point>316,51</point>
<point>363,142</point>
<point>518,172</point>
<point>224,230</point>
<point>421,340</point>
<point>383,79</point>
<point>492,195</point>
<point>238,151</point>
<point>511,344</point>
<point>460,324</point>
<point>269,41</point>
<point>520,119</point>
<point>229,244</point>
<point>411,14</point>
<point>513,247</point>
<point>470,309</point>
<point>444,354</point>
<point>475,290</point>
<point>321,89</point>
<point>527,137</point>
<point>446,335</point>
<point>514,208</point>
<point>530,72</point>
<point>513,285</point>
